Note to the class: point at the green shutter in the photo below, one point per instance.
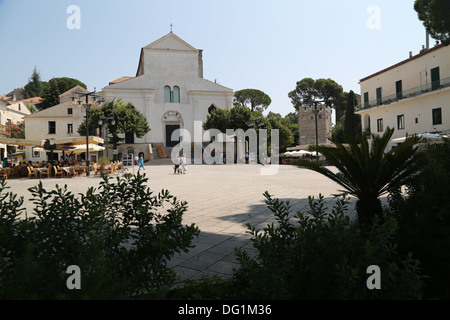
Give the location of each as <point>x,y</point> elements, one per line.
<point>379,96</point>
<point>435,78</point>
<point>366,100</point>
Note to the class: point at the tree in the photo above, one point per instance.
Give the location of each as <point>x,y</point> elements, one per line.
<point>309,90</point>
<point>252,98</point>
<point>54,88</point>
<point>435,15</point>
<point>50,96</point>
<point>291,121</point>
<point>352,122</point>
<point>34,86</point>
<point>286,138</point>
<point>304,93</point>
<point>127,119</point>
<point>239,117</point>
<point>369,172</point>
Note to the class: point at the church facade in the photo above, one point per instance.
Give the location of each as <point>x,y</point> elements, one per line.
<point>170,91</point>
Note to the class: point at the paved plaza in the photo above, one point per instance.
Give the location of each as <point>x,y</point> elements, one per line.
<point>222,199</point>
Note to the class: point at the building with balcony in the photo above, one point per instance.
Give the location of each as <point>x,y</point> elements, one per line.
<point>412,96</point>
<point>11,112</point>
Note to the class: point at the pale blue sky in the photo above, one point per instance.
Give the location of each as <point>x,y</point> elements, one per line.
<point>263,44</point>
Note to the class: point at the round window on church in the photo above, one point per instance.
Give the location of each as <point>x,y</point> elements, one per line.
<point>211,109</point>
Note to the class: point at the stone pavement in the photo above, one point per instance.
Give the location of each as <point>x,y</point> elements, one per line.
<point>222,200</point>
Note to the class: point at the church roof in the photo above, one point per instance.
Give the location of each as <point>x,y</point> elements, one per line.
<point>170,42</point>
<point>121,79</point>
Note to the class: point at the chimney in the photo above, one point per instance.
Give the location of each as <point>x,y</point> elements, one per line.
<point>200,63</point>
<point>428,40</point>
<point>410,54</point>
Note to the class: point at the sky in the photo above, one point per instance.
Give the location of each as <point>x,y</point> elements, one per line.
<point>261,44</point>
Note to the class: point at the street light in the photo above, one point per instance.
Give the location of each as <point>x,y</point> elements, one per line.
<point>100,122</point>
<point>316,112</point>
<point>87,106</point>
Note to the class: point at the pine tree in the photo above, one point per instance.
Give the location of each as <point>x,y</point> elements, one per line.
<point>34,86</point>
<point>352,121</point>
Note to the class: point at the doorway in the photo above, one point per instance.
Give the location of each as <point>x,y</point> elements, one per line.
<point>170,129</point>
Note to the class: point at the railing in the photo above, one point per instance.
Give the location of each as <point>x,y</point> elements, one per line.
<point>411,93</point>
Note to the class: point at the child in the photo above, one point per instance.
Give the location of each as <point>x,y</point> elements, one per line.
<point>142,163</point>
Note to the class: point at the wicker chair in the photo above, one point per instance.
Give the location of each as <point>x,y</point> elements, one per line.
<point>44,172</point>
<point>4,173</point>
<point>72,172</point>
<point>32,172</point>
<point>58,171</point>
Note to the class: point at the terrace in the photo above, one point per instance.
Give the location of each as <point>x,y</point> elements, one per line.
<point>406,94</point>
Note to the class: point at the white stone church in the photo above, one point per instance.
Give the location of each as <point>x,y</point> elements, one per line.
<point>169,89</point>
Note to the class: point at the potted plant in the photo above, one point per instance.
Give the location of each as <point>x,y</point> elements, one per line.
<point>103,162</point>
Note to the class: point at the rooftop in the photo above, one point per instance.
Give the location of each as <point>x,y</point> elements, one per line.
<point>422,53</point>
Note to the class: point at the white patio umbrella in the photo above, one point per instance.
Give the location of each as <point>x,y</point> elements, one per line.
<point>82,148</point>
<point>430,136</point>
<point>297,153</point>
<point>399,140</point>
<point>288,154</point>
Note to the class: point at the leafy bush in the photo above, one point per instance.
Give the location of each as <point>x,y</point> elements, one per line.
<point>103,161</point>
<point>120,236</point>
<point>423,212</point>
<point>323,256</point>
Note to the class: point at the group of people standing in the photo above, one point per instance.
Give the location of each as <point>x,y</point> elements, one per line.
<point>180,164</point>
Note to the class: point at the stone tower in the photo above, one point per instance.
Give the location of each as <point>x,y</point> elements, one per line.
<point>307,124</point>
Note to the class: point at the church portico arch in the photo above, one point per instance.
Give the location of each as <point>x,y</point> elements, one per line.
<point>171,121</point>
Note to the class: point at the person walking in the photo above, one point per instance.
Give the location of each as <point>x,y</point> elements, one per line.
<point>176,164</point>
<point>142,163</point>
<point>183,163</point>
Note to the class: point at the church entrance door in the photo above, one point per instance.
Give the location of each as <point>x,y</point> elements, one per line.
<point>170,128</point>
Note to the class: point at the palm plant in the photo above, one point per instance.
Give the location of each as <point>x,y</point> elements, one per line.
<point>369,172</point>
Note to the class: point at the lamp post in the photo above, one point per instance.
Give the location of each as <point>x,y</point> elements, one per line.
<point>100,122</point>
<point>316,112</point>
<point>87,106</point>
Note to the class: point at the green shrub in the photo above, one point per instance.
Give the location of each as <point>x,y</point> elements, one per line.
<point>323,256</point>
<point>423,212</point>
<point>103,161</point>
<point>120,236</point>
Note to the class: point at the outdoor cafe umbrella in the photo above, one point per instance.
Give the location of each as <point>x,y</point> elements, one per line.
<point>82,148</point>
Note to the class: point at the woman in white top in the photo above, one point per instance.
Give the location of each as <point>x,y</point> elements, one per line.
<point>183,163</point>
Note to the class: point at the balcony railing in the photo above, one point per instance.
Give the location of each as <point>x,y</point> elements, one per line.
<point>411,93</point>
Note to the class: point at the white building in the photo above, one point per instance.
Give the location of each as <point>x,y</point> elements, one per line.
<point>169,89</point>
<point>57,122</point>
<point>11,112</point>
<point>412,96</point>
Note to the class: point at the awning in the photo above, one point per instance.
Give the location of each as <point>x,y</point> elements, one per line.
<point>62,144</point>
<point>82,148</point>
<point>22,142</point>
